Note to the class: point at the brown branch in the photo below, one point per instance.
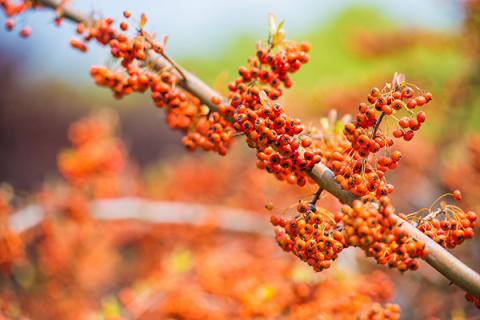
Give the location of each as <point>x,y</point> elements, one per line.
<point>161,212</point>
<point>377,125</point>
<point>439,258</point>
<point>68,12</point>
<point>316,196</point>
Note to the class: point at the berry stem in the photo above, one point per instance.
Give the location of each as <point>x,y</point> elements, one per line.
<point>316,196</point>
<point>377,125</point>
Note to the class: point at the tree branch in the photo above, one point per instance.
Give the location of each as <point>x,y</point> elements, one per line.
<point>166,212</point>
<point>439,258</point>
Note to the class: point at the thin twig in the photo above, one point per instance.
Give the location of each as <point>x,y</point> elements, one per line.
<point>377,125</point>
<point>316,196</point>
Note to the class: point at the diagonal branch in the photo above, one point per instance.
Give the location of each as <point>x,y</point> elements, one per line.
<point>439,258</point>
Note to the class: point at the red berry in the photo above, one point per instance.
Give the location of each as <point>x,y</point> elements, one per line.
<point>421,117</point>
<point>398,133</point>
<point>408,135</point>
<point>9,24</point>
<point>407,92</point>
<point>420,100</point>
<point>411,104</point>
<point>457,195</point>
<point>398,104</point>
<point>25,32</point>
<point>427,96</point>
<point>404,122</point>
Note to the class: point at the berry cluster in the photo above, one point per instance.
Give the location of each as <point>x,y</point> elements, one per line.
<point>447,225</point>
<point>356,162</point>
<point>312,236</point>
<point>267,127</point>
<point>98,161</point>
<point>12,9</point>
<point>11,244</point>
<point>377,311</point>
<point>95,151</point>
<point>102,31</point>
<point>369,225</point>
<point>136,73</point>
<point>283,148</point>
<point>317,237</point>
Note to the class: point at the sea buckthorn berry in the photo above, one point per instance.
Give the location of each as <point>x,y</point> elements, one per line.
<point>396,156</point>
<point>398,133</point>
<point>420,100</point>
<point>9,24</point>
<point>411,104</point>
<point>427,96</point>
<point>78,44</point>
<point>363,107</point>
<point>25,32</point>
<point>375,92</point>
<point>124,26</point>
<point>404,122</point>
<point>387,110</point>
<point>397,95</point>
<point>421,117</point>
<point>216,100</point>
<point>408,135</point>
<point>398,104</point>
<point>457,195</point>
<point>407,92</point>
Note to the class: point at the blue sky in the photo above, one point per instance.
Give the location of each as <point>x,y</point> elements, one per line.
<point>198,27</point>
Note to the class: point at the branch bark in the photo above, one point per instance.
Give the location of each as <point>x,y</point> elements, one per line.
<point>439,258</point>
<point>162,212</point>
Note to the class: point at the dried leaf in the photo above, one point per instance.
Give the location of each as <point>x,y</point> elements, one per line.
<point>272,24</point>
<point>398,80</point>
<point>164,41</point>
<point>263,98</point>
<point>143,20</point>
<point>279,35</point>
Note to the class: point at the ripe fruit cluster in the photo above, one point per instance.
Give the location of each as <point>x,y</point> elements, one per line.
<point>312,235</point>
<point>76,259</point>
<point>452,230</point>
<point>356,162</point>
<point>283,148</point>
<point>447,225</point>
<point>136,73</point>
<point>97,161</point>
<point>266,126</point>
<point>12,9</point>
<point>11,244</point>
<point>317,237</point>
<point>369,225</point>
<point>388,312</point>
<point>95,151</point>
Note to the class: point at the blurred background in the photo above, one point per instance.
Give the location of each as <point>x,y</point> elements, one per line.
<point>355,45</point>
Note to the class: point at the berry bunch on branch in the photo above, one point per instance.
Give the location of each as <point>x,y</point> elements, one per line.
<point>350,164</point>
<point>68,257</point>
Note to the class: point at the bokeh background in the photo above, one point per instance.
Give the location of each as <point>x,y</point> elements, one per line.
<point>45,86</point>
